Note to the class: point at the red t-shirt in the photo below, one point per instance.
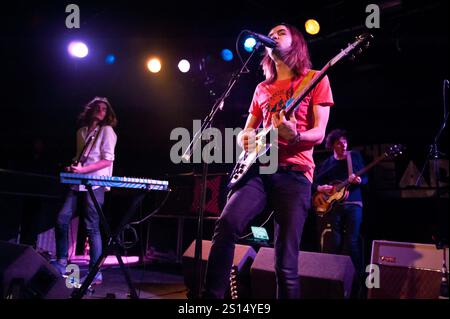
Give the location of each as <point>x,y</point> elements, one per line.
<point>271,98</point>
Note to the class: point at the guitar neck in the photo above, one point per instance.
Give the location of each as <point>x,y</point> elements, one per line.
<point>319,76</point>
<point>362,171</point>
<point>296,102</point>
<point>371,165</point>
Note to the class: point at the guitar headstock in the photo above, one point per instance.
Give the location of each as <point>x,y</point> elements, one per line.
<point>395,150</point>
<point>361,43</point>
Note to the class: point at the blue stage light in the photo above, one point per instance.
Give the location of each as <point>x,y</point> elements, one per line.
<point>249,44</point>
<point>110,59</point>
<point>227,55</point>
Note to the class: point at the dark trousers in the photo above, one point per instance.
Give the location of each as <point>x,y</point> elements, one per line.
<point>339,232</point>
<point>91,219</point>
<point>289,194</point>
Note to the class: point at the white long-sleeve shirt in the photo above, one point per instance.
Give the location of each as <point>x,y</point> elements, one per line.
<point>102,149</point>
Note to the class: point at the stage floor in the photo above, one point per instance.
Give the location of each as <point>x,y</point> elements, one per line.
<point>152,281</point>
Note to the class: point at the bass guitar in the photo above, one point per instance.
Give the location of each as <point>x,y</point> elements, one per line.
<point>323,203</point>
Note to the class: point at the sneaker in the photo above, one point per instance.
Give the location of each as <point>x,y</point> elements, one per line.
<point>59,267</point>
<point>98,279</point>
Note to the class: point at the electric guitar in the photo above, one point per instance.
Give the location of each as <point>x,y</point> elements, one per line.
<point>83,156</point>
<point>324,203</point>
<point>84,152</point>
<point>248,158</point>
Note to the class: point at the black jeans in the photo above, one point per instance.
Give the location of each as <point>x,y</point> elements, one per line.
<point>289,194</point>
<point>339,233</point>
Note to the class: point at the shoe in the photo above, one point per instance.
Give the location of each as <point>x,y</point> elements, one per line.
<point>98,279</point>
<point>59,267</point>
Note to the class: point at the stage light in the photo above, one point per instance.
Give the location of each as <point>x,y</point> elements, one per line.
<point>249,44</point>
<point>154,65</point>
<point>312,26</point>
<point>184,66</point>
<point>227,55</point>
<point>110,59</point>
<point>78,49</point>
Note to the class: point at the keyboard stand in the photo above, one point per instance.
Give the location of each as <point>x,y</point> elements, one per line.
<point>113,244</point>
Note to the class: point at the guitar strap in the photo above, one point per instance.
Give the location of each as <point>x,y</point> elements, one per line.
<point>350,172</point>
<point>89,147</point>
<point>308,77</point>
<point>349,163</point>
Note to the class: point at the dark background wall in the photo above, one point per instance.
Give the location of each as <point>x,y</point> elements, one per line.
<point>390,94</point>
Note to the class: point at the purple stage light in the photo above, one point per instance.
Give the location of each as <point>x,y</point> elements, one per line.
<point>78,49</point>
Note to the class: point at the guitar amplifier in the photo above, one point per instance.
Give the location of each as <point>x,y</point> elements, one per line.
<point>407,270</point>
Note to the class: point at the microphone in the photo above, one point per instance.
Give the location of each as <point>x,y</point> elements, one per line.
<point>268,42</point>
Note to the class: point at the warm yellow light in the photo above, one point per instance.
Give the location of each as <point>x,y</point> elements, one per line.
<point>154,65</point>
<point>312,26</point>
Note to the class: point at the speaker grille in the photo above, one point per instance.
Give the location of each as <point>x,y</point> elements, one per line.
<point>407,270</point>
<point>406,283</point>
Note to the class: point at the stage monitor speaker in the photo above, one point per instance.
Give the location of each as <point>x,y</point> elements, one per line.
<point>24,274</point>
<point>321,276</point>
<point>243,258</point>
<point>407,270</point>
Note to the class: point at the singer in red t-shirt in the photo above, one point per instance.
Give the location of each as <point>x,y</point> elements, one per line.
<point>288,190</point>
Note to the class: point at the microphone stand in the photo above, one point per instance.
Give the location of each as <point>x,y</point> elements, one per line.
<point>440,241</point>
<point>207,123</point>
<point>434,154</point>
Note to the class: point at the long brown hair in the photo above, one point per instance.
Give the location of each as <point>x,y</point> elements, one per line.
<point>85,117</point>
<point>296,57</point>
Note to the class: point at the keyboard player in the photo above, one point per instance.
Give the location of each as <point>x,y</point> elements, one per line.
<point>96,141</point>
